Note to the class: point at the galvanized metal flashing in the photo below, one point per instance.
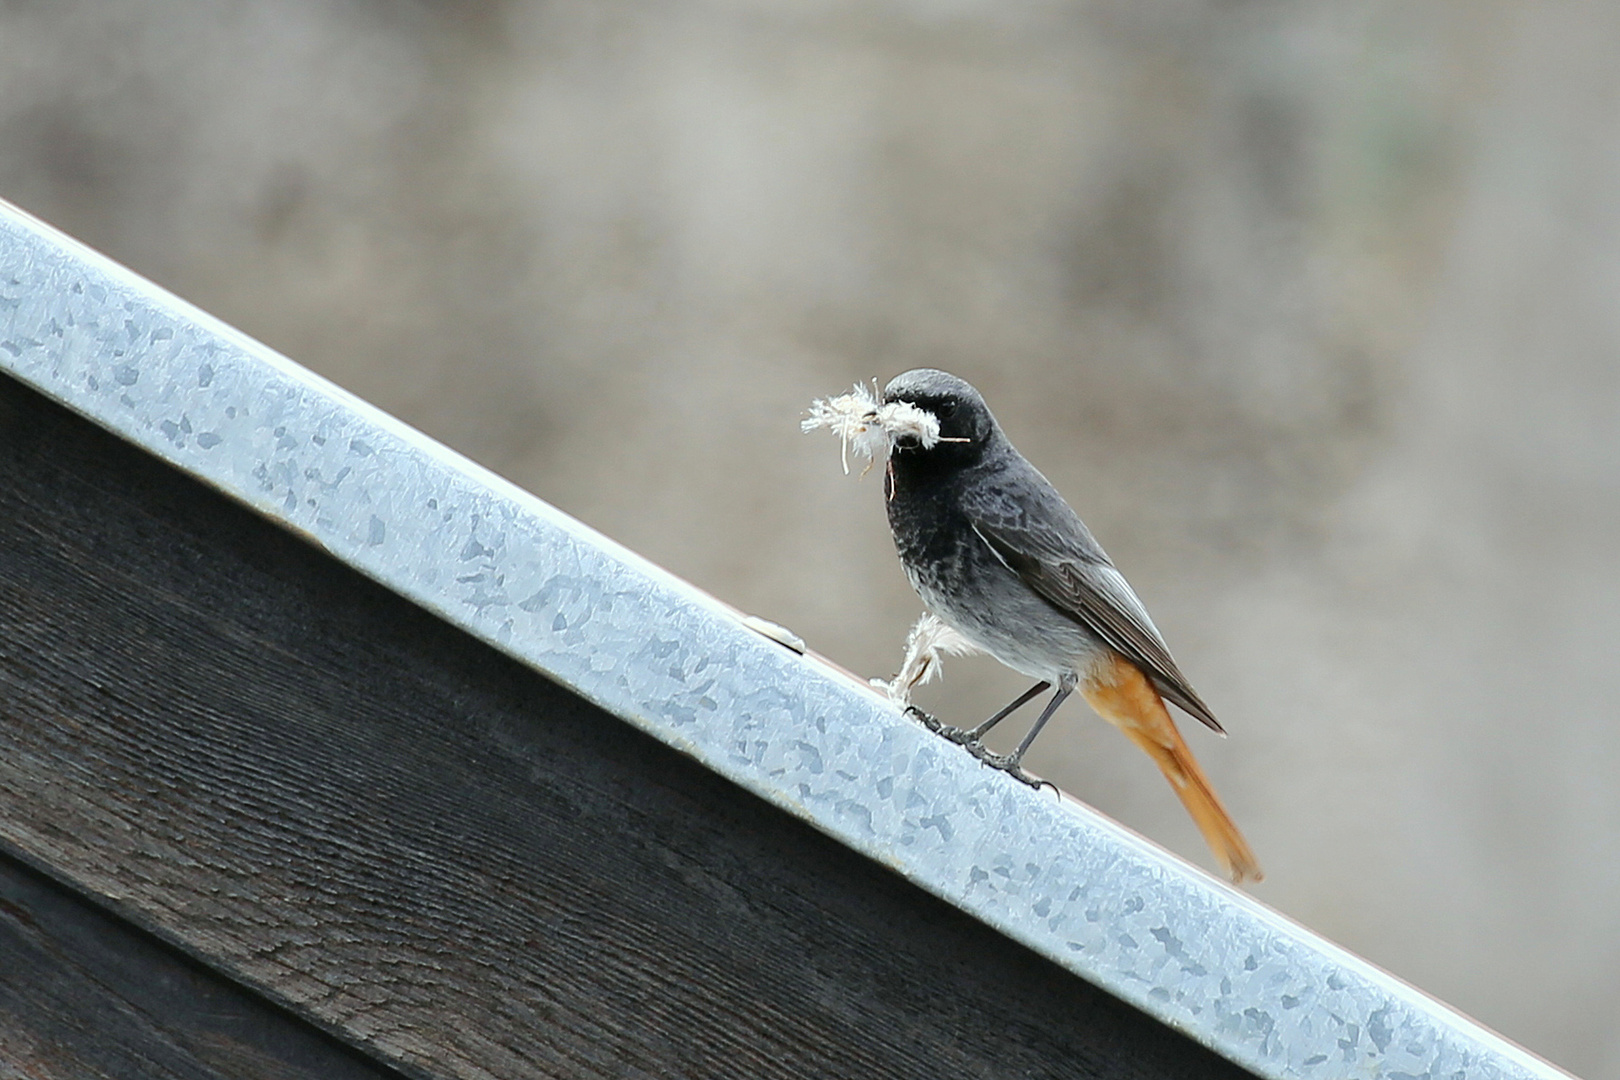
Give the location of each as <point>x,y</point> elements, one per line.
<point>691,671</point>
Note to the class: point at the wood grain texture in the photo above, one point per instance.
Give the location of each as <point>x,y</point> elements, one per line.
<point>436,854</point>
<point>83,994</point>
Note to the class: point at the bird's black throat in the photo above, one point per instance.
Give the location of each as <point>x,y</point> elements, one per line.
<point>922,491</point>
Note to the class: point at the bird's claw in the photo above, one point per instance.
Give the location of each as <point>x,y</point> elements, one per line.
<point>959,736</point>
<point>964,738</point>
<point>1005,763</point>
<point>927,720</point>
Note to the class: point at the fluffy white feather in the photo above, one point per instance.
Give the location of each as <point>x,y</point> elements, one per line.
<point>926,646</point>
<point>870,429</point>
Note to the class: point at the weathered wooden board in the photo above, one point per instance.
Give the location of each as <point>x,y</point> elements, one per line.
<point>83,994</point>
<point>436,854</point>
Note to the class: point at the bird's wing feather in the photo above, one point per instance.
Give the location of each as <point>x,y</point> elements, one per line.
<point>1066,567</point>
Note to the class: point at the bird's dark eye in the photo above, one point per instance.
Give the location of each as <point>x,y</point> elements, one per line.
<point>947,409</point>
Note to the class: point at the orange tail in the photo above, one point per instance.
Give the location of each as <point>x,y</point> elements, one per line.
<point>1122,695</point>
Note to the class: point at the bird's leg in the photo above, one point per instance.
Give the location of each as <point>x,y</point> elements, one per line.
<point>976,735</point>
<point>1011,762</point>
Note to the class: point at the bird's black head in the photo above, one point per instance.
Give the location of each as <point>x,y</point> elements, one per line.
<point>966,427</point>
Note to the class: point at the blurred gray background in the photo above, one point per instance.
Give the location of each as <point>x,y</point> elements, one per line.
<point>1312,309</point>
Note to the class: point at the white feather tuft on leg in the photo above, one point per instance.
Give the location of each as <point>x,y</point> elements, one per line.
<point>926,646</point>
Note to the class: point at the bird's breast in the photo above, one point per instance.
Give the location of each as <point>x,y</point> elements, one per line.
<point>963,581</point>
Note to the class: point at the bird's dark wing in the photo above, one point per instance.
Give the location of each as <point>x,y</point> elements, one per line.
<point>1044,542</point>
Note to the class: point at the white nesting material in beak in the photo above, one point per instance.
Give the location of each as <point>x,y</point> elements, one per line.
<point>871,429</point>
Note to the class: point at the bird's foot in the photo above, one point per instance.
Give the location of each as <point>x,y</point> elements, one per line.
<point>1008,764</point>
<point>927,720</point>
<point>965,738</point>
<point>960,736</point>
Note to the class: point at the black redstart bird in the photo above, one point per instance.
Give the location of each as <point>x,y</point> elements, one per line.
<point>996,553</point>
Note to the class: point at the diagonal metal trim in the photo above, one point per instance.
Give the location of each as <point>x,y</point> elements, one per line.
<point>682,666</point>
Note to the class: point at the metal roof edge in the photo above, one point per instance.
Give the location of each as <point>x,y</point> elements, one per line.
<point>521,575</point>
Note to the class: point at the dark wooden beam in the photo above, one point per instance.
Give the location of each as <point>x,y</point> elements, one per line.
<point>442,858</point>
<point>85,994</point>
